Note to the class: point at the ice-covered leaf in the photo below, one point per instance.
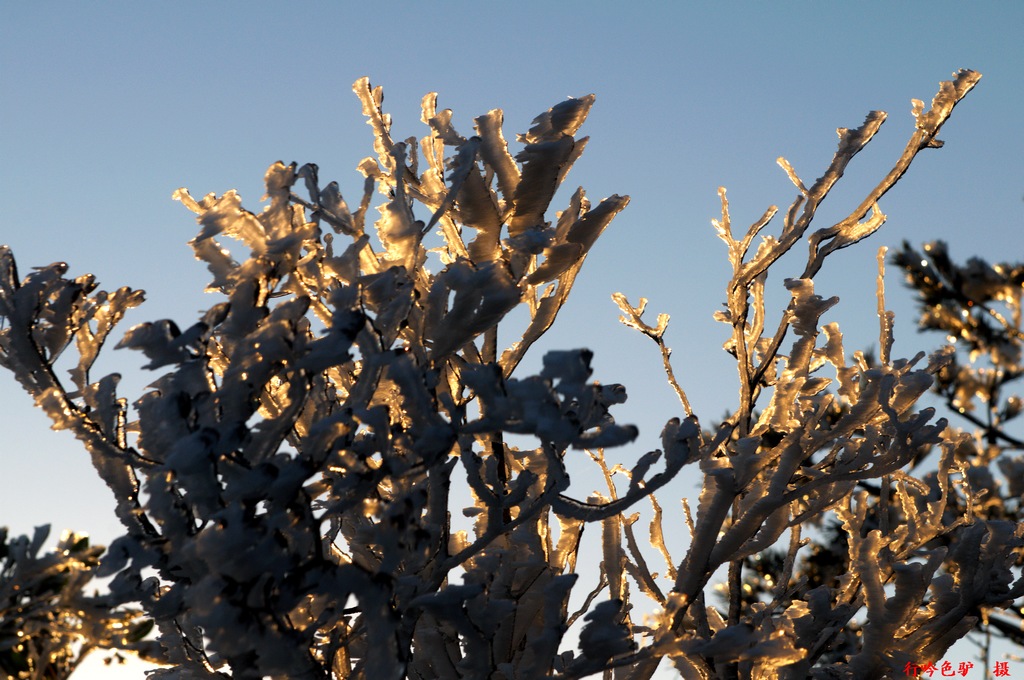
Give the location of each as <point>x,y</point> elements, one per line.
<point>564,118</point>
<point>226,215</point>
<point>158,341</point>
<point>542,166</point>
<point>494,151</point>
<point>604,636</point>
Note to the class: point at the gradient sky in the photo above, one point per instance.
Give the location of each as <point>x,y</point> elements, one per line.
<point>106,109</point>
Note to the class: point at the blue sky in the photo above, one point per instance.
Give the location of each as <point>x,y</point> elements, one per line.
<point>107,108</point>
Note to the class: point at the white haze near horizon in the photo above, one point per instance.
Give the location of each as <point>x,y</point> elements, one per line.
<point>107,108</point>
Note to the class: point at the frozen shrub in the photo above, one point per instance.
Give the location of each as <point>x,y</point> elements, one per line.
<point>286,484</point>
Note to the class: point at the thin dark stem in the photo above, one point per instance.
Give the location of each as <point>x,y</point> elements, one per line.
<point>991,431</point>
<point>986,650</point>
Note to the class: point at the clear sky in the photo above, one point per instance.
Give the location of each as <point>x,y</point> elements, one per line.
<point>107,108</point>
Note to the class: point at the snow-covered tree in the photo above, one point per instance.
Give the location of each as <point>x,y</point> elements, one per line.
<point>287,484</point>
<point>48,623</point>
<point>977,306</point>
